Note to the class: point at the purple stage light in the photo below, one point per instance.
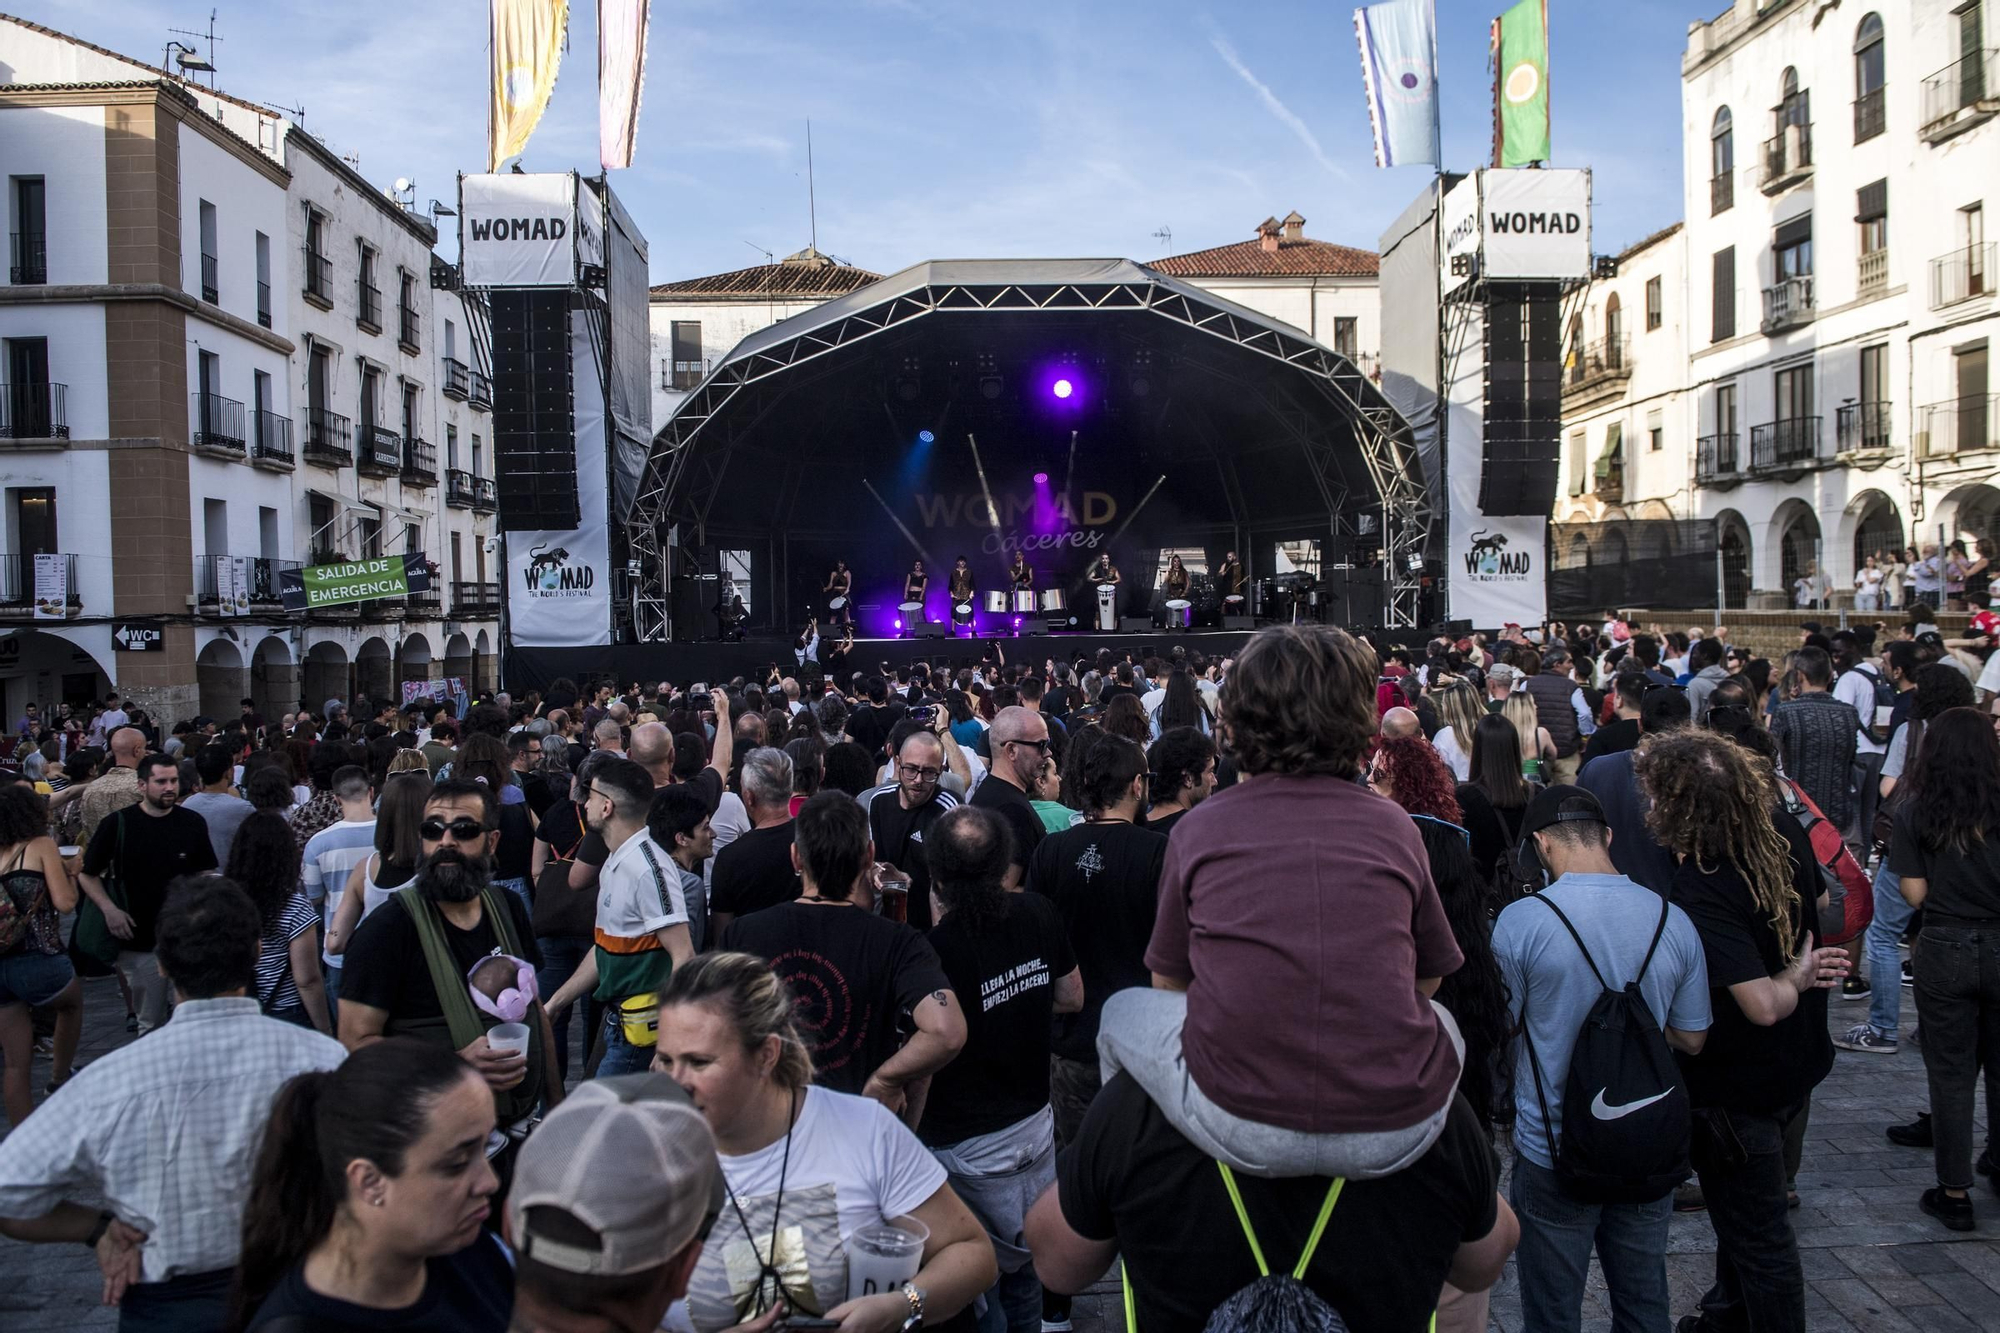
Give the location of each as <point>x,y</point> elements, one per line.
<point>899,624</point>
<point>1041,479</point>
<point>1017,622</point>
<point>1064,388</point>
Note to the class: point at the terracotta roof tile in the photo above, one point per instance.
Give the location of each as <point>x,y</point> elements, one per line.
<point>784,280</point>
<point>1303,257</point>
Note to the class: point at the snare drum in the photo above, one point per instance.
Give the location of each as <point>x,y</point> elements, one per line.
<point>996,603</point>
<point>961,612</point>
<point>1052,600</point>
<point>1024,602</point>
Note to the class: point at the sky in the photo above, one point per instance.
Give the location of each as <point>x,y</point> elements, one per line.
<point>952,128</point>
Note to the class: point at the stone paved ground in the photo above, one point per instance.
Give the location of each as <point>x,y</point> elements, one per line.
<point>1873,1263</point>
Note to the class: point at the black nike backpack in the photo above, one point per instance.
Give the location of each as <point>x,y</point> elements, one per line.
<point>1625,1121</point>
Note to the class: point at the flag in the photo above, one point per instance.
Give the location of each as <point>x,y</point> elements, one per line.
<point>1398,42</point>
<point>527,40</point>
<point>1521,85</point>
<point>621,75</point>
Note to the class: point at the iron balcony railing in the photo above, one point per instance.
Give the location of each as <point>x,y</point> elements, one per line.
<point>264,303</point>
<point>1870,115</point>
<point>1959,425</point>
<point>1721,193</point>
<point>381,450</point>
<point>408,325</point>
<point>329,438</point>
<point>1963,274</point>
<point>1862,426</point>
<point>474,600</point>
<point>685,374</point>
<point>370,313</point>
<point>212,574</point>
<point>457,378</point>
<point>482,389</point>
<point>420,462</point>
<point>319,275</point>
<point>1786,442</point>
<point>1959,87</point>
<point>271,437</point>
<point>1604,359</point>
<point>487,498</point>
<point>17,583</point>
<point>211,285</point>
<point>1788,303</point>
<point>461,489</point>
<point>37,410</point>
<point>1787,156</point>
<point>27,257</point>
<point>217,423</point>
<point>1716,458</point>
<point>429,603</point>
<point>1871,273</point>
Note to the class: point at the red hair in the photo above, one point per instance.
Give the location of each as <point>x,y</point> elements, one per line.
<point>1418,777</point>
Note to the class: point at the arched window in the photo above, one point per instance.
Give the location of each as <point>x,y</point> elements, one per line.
<point>1794,107</point>
<point>1614,328</point>
<point>1869,74</point>
<point>1721,163</point>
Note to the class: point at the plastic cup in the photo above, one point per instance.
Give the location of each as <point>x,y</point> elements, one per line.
<point>69,851</point>
<point>884,1255</point>
<point>508,1038</point>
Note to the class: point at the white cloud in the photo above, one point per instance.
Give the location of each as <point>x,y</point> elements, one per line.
<point>1289,118</point>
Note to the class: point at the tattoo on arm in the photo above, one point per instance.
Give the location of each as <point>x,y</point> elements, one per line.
<point>943,997</point>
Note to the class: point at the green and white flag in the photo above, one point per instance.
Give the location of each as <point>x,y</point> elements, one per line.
<point>1521,85</point>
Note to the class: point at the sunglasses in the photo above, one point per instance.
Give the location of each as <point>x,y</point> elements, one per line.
<point>1043,745</point>
<point>463,829</point>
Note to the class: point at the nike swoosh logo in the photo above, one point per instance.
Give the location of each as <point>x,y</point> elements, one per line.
<point>1603,1110</point>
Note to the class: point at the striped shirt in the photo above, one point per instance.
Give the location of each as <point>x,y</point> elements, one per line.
<point>330,854</point>
<point>639,894</point>
<point>275,987</point>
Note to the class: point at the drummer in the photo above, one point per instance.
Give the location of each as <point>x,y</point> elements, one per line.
<point>836,593</point>
<point>1175,587</point>
<point>1104,572</point>
<point>1229,578</point>
<point>961,592</point>
<point>1022,573</point>
<point>915,584</point>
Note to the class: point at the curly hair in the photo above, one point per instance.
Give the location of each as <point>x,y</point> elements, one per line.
<point>1712,802</point>
<point>1954,780</point>
<point>1301,699</point>
<point>1417,779</point>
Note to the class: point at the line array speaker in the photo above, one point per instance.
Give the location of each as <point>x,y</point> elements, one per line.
<point>534,405</point>
<point>1523,398</point>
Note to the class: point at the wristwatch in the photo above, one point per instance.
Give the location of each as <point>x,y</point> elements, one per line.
<point>104,1221</point>
<point>914,1294</point>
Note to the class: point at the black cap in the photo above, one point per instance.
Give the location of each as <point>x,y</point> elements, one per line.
<point>1546,809</point>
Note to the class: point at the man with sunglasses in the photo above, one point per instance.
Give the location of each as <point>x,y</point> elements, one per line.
<point>1020,741</point>
<point>899,817</point>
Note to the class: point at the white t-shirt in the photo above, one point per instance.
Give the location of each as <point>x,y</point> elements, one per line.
<point>1856,688</point>
<point>1989,675</point>
<point>639,890</point>
<point>852,1164</point>
<point>1454,756</point>
<point>329,855</point>
<point>730,822</point>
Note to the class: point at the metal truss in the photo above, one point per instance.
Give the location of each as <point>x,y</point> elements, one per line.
<point>682,480</point>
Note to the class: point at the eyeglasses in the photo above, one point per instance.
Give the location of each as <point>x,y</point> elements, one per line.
<point>1042,745</point>
<point>463,829</point>
<point>916,771</point>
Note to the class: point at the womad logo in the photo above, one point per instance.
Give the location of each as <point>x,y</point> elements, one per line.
<point>518,229</point>
<point>1489,561</point>
<point>550,575</point>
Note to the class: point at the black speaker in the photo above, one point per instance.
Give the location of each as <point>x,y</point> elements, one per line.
<point>1523,399</point>
<point>1135,624</point>
<point>932,629</point>
<point>534,406</point>
<point>1238,622</point>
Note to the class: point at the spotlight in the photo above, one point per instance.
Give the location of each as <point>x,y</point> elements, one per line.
<point>1041,479</point>
<point>925,437</point>
<point>899,623</point>
<point>989,387</point>
<point>1064,388</point>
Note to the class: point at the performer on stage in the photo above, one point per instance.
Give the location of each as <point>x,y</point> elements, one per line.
<point>1176,582</point>
<point>837,585</point>
<point>915,585</point>
<point>1104,571</point>
<point>1229,578</point>
<point>1173,587</point>
<point>1022,573</point>
<point>1101,573</point>
<point>962,593</point>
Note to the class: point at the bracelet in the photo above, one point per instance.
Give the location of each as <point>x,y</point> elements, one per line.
<point>104,1221</point>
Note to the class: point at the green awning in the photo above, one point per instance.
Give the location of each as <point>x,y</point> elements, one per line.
<point>1613,455</point>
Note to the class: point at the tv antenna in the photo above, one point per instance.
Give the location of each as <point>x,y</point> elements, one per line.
<point>769,258</point>
<point>297,113</point>
<point>812,200</point>
<point>190,60</point>
<point>1165,236</point>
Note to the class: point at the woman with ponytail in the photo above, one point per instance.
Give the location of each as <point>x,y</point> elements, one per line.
<point>366,1208</point>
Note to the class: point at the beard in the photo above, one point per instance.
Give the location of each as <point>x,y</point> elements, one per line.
<point>449,876</point>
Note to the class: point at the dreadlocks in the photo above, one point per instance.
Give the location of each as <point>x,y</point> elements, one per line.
<point>1712,803</point>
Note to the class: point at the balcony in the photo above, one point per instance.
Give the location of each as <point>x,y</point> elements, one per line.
<point>1862,428</point>
<point>425,605</point>
<point>1721,193</point>
<point>1788,443</point>
<point>17,588</point>
<point>461,489</point>
<point>486,498</point>
<point>379,451</point>
<point>457,379</point>
<point>482,390</point>
<point>319,279</point>
<point>408,325</point>
<point>475,601</point>
<point>684,374</point>
<point>1597,367</point>
<point>34,411</point>
<point>1963,274</point>
<point>1871,275</point>
<point>1963,94</point>
<point>1788,304</point>
<point>1870,116</point>
<point>264,303</point>
<point>216,426</point>
<point>27,257</point>
<point>271,441</point>
<point>1787,159</point>
<point>1959,426</point>
<point>1716,460</point>
<point>329,437</point>
<point>1610,486</point>
<point>261,590</point>
<point>211,289</point>
<point>420,462</point>
<point>369,315</point>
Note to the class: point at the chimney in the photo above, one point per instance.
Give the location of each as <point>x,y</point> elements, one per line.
<point>1267,235</point>
<point>1295,226</point>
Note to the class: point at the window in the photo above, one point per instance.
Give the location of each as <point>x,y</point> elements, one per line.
<point>451,446</point>
<point>1871,211</point>
<point>318,373</point>
<point>319,268</point>
<point>475,457</point>
<point>1722,163</point>
<point>1791,249</point>
<point>410,431</point>
<point>685,340</point>
<point>1972,240</point>
<point>368,534</point>
<point>1793,389</point>
<point>28,257</point>
<point>1579,460</point>
<point>1971,44</point>
<point>1723,296</point>
<point>267,532</point>
<point>407,323</point>
<point>370,407</point>
<point>263,280</point>
<point>1974,409</point>
<point>1725,409</point>
<point>33,408</point>
<point>215,526</point>
<point>1875,373</point>
<point>1614,326</point>
<point>320,515</point>
<point>370,312</point>
<point>261,430</point>
<point>450,341</point>
<point>413,538</point>
<point>457,558</point>
<point>210,277</point>
<point>1656,314</point>
<point>1868,79</point>
<point>1656,432</point>
<point>1346,339</point>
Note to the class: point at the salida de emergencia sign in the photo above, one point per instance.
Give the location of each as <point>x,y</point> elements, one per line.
<point>318,586</point>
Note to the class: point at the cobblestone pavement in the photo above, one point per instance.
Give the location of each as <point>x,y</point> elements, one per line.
<point>1873,1262</point>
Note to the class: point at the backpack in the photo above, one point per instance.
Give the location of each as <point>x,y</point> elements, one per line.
<point>1885,697</point>
<point>1626,1118</point>
<point>1850,894</point>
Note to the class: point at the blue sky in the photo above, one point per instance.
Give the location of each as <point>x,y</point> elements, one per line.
<point>953,128</point>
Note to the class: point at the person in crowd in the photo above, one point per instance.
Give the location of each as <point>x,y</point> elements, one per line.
<point>900,817</point>
<point>1613,780</point>
<point>1629,689</point>
<point>1945,853</point>
<point>1182,763</point>
<point>1705,660</point>
<point>264,860</point>
<point>1020,741</point>
<point>1817,736</point>
<point>409,959</point>
<point>1458,711</point>
<point>1560,709</point>
<point>1625,934</point>
<point>1475,995</point>
<point>1127,719</point>
<point>1400,723</point>
<point>800,1155</point>
<point>1180,705</point>
<point>484,759</point>
<point>328,860</point>
<point>439,750</point>
<point>680,822</point>
<point>1047,798</point>
<point>1538,748</point>
<point>860,980</point>
<point>1500,681</point>
<point>319,805</point>
<point>142,849</point>
<point>1492,802</point>
<point>35,972</point>
<point>117,786</point>
<point>1926,577</point>
<point>612,1199</point>
<point>757,869</point>
<point>987,1118</point>
<point>565,919</point>
<point>162,1131</point>
<point>524,756</point>
<point>1767,1047</point>
<point>1408,771</point>
<point>368,1205</point>
<point>217,802</point>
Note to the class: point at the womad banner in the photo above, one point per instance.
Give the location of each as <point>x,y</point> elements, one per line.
<point>352,581</point>
<point>1494,565</point>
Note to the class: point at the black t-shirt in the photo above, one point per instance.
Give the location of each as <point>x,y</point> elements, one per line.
<point>1744,1067</point>
<point>1164,824</point>
<point>1387,1248</point>
<point>899,840</point>
<point>1004,975</point>
<point>517,842</point>
<point>384,965</point>
<point>540,795</point>
<point>1012,804</point>
<point>854,977</point>
<point>1113,690</point>
<point>706,784</point>
<point>755,872</point>
<point>157,851</point>
<point>1963,888</point>
<point>562,829</point>
<point>870,725</point>
<point>1104,880</point>
<point>1612,738</point>
<point>469,1292</point>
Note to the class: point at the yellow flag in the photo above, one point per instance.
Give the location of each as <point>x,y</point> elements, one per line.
<point>527,52</point>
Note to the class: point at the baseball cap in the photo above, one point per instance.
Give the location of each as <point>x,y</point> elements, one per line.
<point>1545,810</point>
<point>630,1158</point>
<point>1987,623</point>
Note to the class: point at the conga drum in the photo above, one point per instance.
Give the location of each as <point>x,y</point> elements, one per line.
<point>1052,601</point>
<point>836,605</point>
<point>1177,608</point>
<point>1107,607</point>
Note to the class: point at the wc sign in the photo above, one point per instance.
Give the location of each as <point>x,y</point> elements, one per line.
<point>132,638</point>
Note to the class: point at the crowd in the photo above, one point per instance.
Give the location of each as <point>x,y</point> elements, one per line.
<point>919,998</point>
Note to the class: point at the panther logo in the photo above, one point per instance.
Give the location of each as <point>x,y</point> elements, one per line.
<point>543,566</point>
<point>1486,549</point>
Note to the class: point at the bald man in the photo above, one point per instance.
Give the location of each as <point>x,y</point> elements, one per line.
<point>118,786</point>
<point>608,735</point>
<point>1019,741</point>
<point>1399,722</point>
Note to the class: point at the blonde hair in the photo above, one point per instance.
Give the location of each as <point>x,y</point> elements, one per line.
<point>744,990</point>
<point>409,761</point>
<point>1520,710</point>
<point>1458,708</point>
